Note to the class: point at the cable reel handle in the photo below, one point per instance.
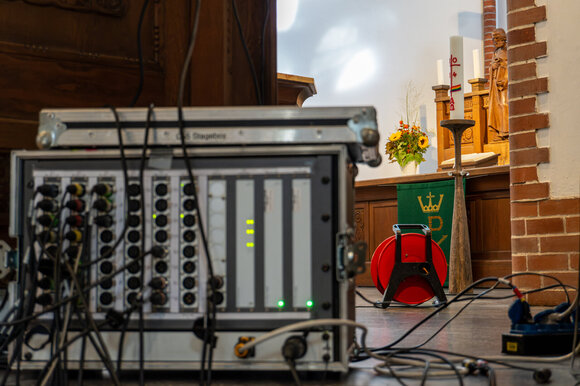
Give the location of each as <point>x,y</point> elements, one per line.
<point>397,228</point>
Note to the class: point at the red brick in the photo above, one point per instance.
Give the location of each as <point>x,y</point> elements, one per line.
<point>560,207</point>
<point>524,244</point>
<point>525,174</point>
<point>568,278</point>
<point>519,263</point>
<point>522,140</point>
<point>516,4</point>
<point>527,281</point>
<point>528,88</point>
<point>533,191</point>
<point>489,4</point>
<point>523,106</point>
<point>526,52</point>
<point>523,209</point>
<point>530,156</point>
<point>560,243</point>
<point>528,16</point>
<point>520,36</point>
<point>552,262</point>
<point>572,224</point>
<point>521,72</point>
<point>574,263</point>
<point>518,227</point>
<point>548,298</point>
<point>529,122</point>
<point>545,225</point>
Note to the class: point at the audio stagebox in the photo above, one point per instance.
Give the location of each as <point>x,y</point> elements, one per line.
<point>278,217</point>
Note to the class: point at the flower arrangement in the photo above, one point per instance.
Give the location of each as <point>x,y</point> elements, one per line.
<point>407,144</point>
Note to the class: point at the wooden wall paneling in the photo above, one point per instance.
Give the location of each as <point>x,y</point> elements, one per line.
<point>221,74</point>
<point>71,54</point>
<point>174,32</point>
<point>490,236</point>
<point>383,215</point>
<point>361,224</point>
<point>362,233</point>
<point>57,57</point>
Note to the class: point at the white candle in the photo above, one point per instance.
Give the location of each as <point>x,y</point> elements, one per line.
<point>439,71</point>
<point>476,64</point>
<point>456,78</point>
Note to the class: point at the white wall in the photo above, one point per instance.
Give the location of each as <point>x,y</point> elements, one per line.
<point>562,102</point>
<point>365,52</point>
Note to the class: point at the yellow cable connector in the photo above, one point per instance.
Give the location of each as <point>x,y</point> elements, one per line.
<point>242,340</point>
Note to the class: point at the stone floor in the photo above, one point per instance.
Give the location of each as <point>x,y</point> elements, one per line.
<point>477,331</point>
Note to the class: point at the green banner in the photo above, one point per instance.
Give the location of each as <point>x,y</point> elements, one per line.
<point>429,203</point>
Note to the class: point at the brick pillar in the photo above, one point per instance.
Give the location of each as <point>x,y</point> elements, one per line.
<point>489,24</point>
<point>544,230</point>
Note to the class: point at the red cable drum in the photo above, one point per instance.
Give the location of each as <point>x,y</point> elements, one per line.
<point>414,289</point>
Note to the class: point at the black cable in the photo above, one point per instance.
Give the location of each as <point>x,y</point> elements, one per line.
<point>436,311</point>
<point>263,44</point>
<point>84,255</point>
<point>75,296</point>
<point>247,52</point>
<point>453,317</point>
<point>141,316</point>
<point>425,373</point>
<point>541,275</point>
<point>188,55</point>
<point>122,341</point>
<point>397,354</point>
<point>394,374</point>
<point>27,303</point>
<point>497,362</point>
<point>86,333</point>
<point>209,315</point>
<point>418,349</point>
<point>104,353</point>
<point>293,371</point>
<point>5,299</point>
<point>379,304</point>
<point>140,54</point>
<point>125,178</point>
<point>107,359</point>
<point>80,374</point>
<point>57,324</point>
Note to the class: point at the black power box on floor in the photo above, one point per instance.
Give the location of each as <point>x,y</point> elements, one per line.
<point>537,344</point>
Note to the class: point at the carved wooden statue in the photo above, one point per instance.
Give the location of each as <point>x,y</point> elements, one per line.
<point>498,79</point>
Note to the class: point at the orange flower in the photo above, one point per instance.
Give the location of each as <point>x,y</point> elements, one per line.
<point>400,122</point>
<point>423,142</point>
<point>406,126</point>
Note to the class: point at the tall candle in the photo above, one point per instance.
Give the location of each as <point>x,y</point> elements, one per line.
<point>439,71</point>
<point>456,78</point>
<point>476,64</point>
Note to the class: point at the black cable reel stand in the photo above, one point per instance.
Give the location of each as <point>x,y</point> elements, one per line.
<point>413,279</point>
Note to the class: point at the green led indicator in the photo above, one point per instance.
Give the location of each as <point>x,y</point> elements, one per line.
<point>182,215</point>
<point>250,245</point>
<point>309,303</point>
<point>250,222</point>
<point>154,216</point>
<point>182,184</point>
<point>281,303</point>
<point>249,231</point>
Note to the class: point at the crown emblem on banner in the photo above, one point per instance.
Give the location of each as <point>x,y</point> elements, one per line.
<point>430,208</point>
